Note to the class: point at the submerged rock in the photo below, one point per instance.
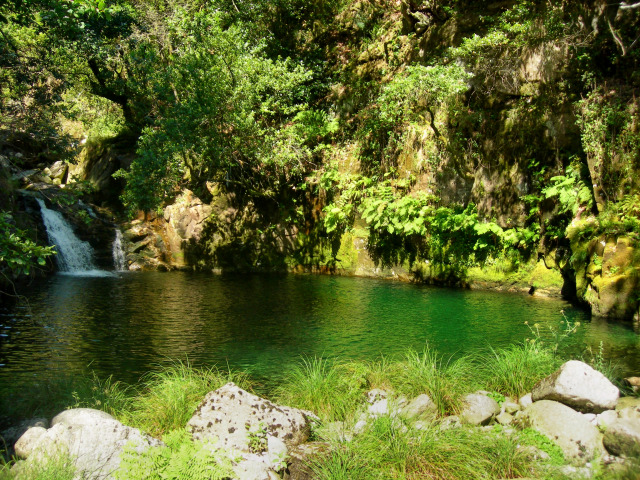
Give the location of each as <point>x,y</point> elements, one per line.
<point>579,386</point>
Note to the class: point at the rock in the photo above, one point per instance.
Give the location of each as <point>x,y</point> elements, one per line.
<point>58,171</point>
<point>504,418</point>
<point>80,417</point>
<point>606,418</point>
<point>478,409</point>
<point>252,469</point>
<point>375,395</point>
<point>452,421</point>
<point>301,457</point>
<point>277,452</point>
<point>25,445</point>
<point>622,437</point>
<point>378,408</point>
<point>525,401</point>
<point>93,440</point>
<point>576,436</point>
<point>185,222</point>
<point>421,406</point>
<point>628,407</point>
<point>232,418</point>
<point>579,386</point>
<point>11,435</point>
<point>633,382</point>
<point>510,407</point>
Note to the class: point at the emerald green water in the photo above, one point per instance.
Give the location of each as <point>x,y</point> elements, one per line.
<point>126,325</point>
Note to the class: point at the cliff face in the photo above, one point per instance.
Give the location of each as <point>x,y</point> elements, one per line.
<point>469,139</point>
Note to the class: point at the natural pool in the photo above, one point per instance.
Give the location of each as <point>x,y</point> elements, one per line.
<point>126,324</point>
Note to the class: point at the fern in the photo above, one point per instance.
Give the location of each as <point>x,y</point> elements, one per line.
<point>179,459</point>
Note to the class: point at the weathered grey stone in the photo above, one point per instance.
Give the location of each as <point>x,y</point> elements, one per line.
<point>277,452</point>
<point>606,418</point>
<point>94,442</point>
<point>80,417</point>
<point>510,407</point>
<point>421,406</point>
<point>375,395</point>
<point>252,469</point>
<point>379,408</point>
<point>11,435</point>
<point>504,418</point>
<point>228,415</point>
<point>25,444</point>
<point>579,386</point>
<point>575,435</point>
<point>626,402</point>
<point>525,401</point>
<point>478,409</point>
<point>452,421</point>
<point>622,437</point>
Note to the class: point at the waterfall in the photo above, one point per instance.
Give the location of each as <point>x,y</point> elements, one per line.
<point>119,260</point>
<point>74,256</point>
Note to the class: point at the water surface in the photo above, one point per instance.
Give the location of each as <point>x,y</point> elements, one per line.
<point>126,324</point>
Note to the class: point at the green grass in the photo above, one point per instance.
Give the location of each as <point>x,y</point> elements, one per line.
<point>444,380</point>
<point>513,371</point>
<point>331,390</point>
<point>390,450</point>
<point>58,467</point>
<point>167,398</point>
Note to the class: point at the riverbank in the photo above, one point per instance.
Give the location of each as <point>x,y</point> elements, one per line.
<point>356,429</point>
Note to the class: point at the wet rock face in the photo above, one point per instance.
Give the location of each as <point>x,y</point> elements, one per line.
<point>235,419</point>
<point>579,386</point>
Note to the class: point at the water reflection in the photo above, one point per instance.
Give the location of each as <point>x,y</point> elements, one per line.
<point>126,325</point>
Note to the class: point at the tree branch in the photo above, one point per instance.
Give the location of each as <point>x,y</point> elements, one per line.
<point>627,6</point>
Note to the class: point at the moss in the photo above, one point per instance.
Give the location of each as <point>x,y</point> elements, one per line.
<point>347,257</point>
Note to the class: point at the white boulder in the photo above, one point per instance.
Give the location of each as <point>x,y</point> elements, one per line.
<point>578,438</point>
<point>578,386</point>
<point>232,418</point>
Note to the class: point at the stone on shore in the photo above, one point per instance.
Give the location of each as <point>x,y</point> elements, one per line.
<point>622,437</point>
<point>420,407</point>
<point>578,386</point>
<point>232,418</point>
<point>478,409</point>
<point>578,438</point>
<point>92,439</point>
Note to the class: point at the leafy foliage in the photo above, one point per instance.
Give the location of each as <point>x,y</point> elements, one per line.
<point>181,458</point>
<point>19,254</point>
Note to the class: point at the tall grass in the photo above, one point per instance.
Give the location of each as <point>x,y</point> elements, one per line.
<point>390,450</point>
<point>331,390</point>
<point>54,467</point>
<point>444,380</point>
<point>515,370</point>
<point>167,398</point>
<point>49,398</point>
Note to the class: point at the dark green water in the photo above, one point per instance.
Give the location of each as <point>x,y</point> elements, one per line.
<point>126,325</point>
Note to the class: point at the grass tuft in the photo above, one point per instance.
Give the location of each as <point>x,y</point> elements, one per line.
<point>445,381</point>
<point>331,390</point>
<point>168,397</point>
<point>515,370</point>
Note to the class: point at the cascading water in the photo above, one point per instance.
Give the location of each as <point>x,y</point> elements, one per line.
<point>74,256</point>
<point>119,260</point>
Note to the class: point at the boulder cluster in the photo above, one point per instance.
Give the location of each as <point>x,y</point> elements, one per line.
<point>577,408</point>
